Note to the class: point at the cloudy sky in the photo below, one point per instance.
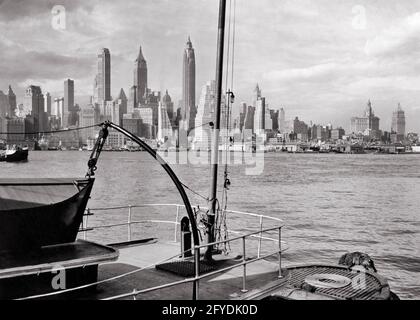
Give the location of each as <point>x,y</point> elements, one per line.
<point>320,60</point>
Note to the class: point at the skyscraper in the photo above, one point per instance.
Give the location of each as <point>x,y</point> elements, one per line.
<point>164,124</point>
<point>68,95</point>
<point>34,104</point>
<point>47,103</point>
<point>368,124</point>
<point>121,102</point>
<point>12,101</point>
<point>188,108</point>
<point>140,78</point>
<point>398,122</point>
<point>169,105</point>
<point>205,114</point>
<point>102,84</point>
<point>282,121</point>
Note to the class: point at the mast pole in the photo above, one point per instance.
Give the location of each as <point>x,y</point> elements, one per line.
<point>216,130</point>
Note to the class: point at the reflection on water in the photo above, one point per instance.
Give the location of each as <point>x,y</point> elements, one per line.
<point>331,204</point>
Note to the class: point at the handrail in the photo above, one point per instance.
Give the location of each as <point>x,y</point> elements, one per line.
<point>198,277</point>
<point>176,223</point>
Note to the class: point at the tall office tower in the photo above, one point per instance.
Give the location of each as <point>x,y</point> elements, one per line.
<point>205,114</point>
<point>275,119</point>
<point>188,108</point>
<point>169,105</point>
<point>368,124</point>
<point>47,103</point>
<point>398,122</point>
<point>164,124</point>
<point>4,105</point>
<point>121,102</point>
<point>282,121</point>
<point>132,99</point>
<point>140,78</point>
<point>102,84</point>
<point>259,117</point>
<point>249,119</point>
<point>87,118</point>
<point>69,95</point>
<point>12,102</point>
<point>34,104</point>
<point>257,94</point>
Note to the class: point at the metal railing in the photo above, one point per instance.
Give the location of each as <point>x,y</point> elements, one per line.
<point>130,222</point>
<point>196,279</point>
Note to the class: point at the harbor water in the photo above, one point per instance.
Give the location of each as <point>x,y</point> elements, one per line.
<point>330,203</point>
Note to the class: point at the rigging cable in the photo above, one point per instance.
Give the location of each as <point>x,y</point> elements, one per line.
<point>221,225</point>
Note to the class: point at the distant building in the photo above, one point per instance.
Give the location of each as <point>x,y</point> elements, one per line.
<point>188,107</point>
<point>121,104</point>
<point>205,114</point>
<point>15,128</point>
<point>282,121</point>
<point>249,119</point>
<point>300,127</point>
<point>34,104</point>
<point>88,117</point>
<point>337,134</point>
<point>169,106</point>
<point>47,103</point>
<point>398,123</point>
<point>102,83</point>
<point>69,95</point>
<point>259,116</point>
<point>164,124</point>
<point>140,80</point>
<point>368,124</point>
<point>275,119</point>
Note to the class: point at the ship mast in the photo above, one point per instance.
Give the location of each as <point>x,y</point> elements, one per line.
<point>216,130</point>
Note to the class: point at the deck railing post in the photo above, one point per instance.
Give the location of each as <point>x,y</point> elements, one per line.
<point>244,267</point>
<point>85,226</point>
<point>176,222</point>
<point>129,223</point>
<point>197,272</point>
<point>280,275</point>
<point>260,239</point>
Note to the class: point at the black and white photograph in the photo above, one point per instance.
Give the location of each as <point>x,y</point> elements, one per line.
<point>242,152</point>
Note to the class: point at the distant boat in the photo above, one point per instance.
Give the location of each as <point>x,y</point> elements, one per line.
<point>15,154</point>
<point>41,212</point>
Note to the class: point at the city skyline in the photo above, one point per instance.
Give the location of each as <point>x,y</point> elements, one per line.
<point>310,79</point>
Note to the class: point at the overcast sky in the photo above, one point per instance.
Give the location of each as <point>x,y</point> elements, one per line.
<point>320,60</point>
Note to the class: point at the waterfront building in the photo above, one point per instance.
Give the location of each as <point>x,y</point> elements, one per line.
<point>188,107</point>
<point>140,79</point>
<point>337,134</point>
<point>115,139</point>
<point>132,99</point>
<point>15,128</point>
<point>88,117</point>
<point>398,123</point>
<point>368,124</point>
<point>102,83</point>
<point>299,126</point>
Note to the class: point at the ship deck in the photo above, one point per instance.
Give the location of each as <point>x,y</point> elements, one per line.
<point>223,286</point>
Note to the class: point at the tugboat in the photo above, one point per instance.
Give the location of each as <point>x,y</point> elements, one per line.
<point>15,154</point>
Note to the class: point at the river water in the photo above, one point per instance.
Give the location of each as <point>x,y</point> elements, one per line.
<point>330,203</point>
